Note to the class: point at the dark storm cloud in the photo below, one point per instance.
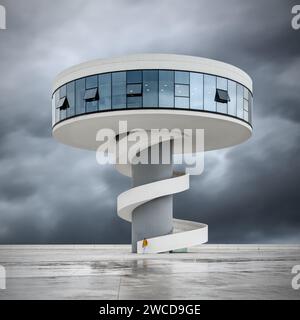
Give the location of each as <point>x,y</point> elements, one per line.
<point>253,193</point>
<point>50,193</point>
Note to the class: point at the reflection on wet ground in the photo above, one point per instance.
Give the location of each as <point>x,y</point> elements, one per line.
<point>112,272</point>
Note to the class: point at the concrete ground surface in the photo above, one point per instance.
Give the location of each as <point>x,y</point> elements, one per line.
<point>112,272</point>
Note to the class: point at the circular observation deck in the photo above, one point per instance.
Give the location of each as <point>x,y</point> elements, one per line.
<point>153,91</point>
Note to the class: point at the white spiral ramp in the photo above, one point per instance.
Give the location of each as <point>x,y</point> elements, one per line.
<point>185,233</point>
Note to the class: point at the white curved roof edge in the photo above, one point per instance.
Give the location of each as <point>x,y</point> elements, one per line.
<point>154,61</point>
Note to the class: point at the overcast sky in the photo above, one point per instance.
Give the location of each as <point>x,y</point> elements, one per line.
<point>52,193</point>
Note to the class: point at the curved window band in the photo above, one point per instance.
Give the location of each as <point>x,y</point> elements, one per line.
<point>152,89</point>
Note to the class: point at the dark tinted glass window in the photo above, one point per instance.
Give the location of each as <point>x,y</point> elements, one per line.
<point>196,90</point>
<point>134,89</point>
<point>57,111</point>
<point>181,102</point>
<point>91,94</point>
<point>232,95</point>
<point>246,104</point>
<point>182,90</point>
<point>91,82</point>
<point>246,93</point>
<point>250,107</point>
<point>91,106</point>
<point>63,91</point>
<point>134,102</point>
<point>105,91</point>
<point>222,95</point>
<point>62,110</point>
<point>134,76</point>
<point>182,77</point>
<point>71,98</point>
<point>150,88</point>
<point>91,97</point>
<point>221,83</point>
<point>53,109</point>
<point>240,101</point>
<point>118,90</point>
<point>166,89</point>
<point>80,91</point>
<point>63,104</point>
<point>209,92</point>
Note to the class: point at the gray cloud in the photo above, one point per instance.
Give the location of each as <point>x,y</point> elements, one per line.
<point>50,193</point>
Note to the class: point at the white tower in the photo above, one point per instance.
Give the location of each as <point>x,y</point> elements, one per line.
<point>154,91</point>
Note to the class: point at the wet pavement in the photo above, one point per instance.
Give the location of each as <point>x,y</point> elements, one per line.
<point>112,272</point>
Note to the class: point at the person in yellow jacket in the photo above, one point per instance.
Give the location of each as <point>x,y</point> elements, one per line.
<point>145,244</point>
